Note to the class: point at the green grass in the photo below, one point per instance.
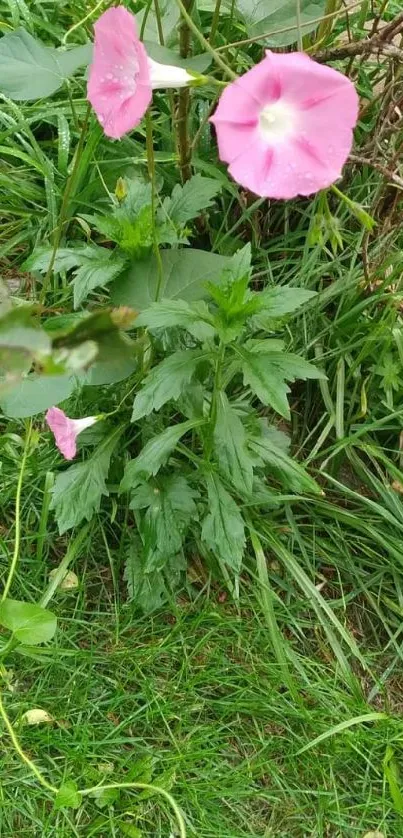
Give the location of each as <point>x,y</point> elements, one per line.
<point>279,712</point>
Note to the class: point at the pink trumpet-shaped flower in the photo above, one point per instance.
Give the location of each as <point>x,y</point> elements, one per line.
<point>122,76</point>
<point>66,430</point>
<point>285,127</point>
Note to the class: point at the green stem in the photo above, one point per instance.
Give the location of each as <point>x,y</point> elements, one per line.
<point>17,540</point>
<point>151,173</point>
<point>184,147</point>
<point>214,397</point>
<point>204,42</point>
<point>215,21</point>
<point>31,765</point>
<point>65,203</point>
<point>299,27</point>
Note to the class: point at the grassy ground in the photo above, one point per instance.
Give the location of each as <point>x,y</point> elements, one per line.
<point>213,699</point>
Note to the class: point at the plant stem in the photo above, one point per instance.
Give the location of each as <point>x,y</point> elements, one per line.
<point>184,146</point>
<point>214,396</point>
<point>151,173</point>
<point>204,42</point>
<point>31,765</point>
<point>215,21</point>
<point>17,540</point>
<point>65,202</point>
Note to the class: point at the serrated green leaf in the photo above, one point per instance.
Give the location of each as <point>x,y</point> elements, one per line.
<point>169,507</point>
<point>266,375</point>
<point>187,201</point>
<point>185,274</point>
<point>98,267</point>
<point>195,317</point>
<point>166,381</point>
<point>30,623</point>
<point>154,455</point>
<point>275,302</point>
<point>265,16</point>
<point>29,70</point>
<point>288,471</point>
<point>230,446</point>
<point>223,528</point>
<point>78,491</point>
<point>68,796</point>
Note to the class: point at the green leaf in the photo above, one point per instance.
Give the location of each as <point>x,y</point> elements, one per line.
<point>154,455</point>
<point>98,267</point>
<point>197,63</point>
<point>68,796</point>
<point>266,374</point>
<point>35,394</point>
<point>275,302</point>
<point>170,507</point>
<point>30,70</point>
<point>117,359</point>
<point>187,201</point>
<point>105,797</point>
<point>283,468</point>
<point>223,528</point>
<point>265,16</point>
<point>147,590</point>
<point>40,259</point>
<point>78,491</point>
<point>166,381</point>
<point>29,623</point>
<point>169,18</point>
<point>230,446</point>
<point>184,276</point>
<point>195,318</point>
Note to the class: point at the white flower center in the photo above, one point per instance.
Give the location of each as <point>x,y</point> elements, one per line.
<point>277,121</point>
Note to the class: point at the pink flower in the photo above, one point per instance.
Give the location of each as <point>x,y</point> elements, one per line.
<point>122,76</point>
<point>285,127</point>
<point>66,430</point>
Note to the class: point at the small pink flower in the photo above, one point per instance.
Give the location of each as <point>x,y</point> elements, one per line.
<point>66,430</point>
<point>285,127</point>
<point>122,76</point>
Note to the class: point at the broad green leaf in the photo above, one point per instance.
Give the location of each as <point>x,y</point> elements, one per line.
<point>29,623</point>
<point>68,796</point>
<point>30,70</point>
<point>35,394</point>
<point>283,468</point>
<point>275,302</point>
<point>166,381</point>
<point>169,18</point>
<point>40,259</point>
<point>266,374</point>
<point>195,318</point>
<point>184,276</point>
<point>117,359</point>
<point>197,63</point>
<point>223,528</point>
<point>21,342</point>
<point>154,455</point>
<point>265,16</point>
<point>187,201</point>
<point>78,491</point>
<point>230,446</point>
<point>169,508</point>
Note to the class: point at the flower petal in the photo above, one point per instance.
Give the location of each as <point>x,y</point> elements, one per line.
<point>119,86</point>
<point>64,432</point>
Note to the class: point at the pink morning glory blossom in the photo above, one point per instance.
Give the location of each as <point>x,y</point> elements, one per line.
<point>285,127</point>
<point>66,430</point>
<point>122,76</point>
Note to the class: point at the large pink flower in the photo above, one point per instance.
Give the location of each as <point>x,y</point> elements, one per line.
<point>122,76</point>
<point>285,127</point>
<point>66,430</point>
